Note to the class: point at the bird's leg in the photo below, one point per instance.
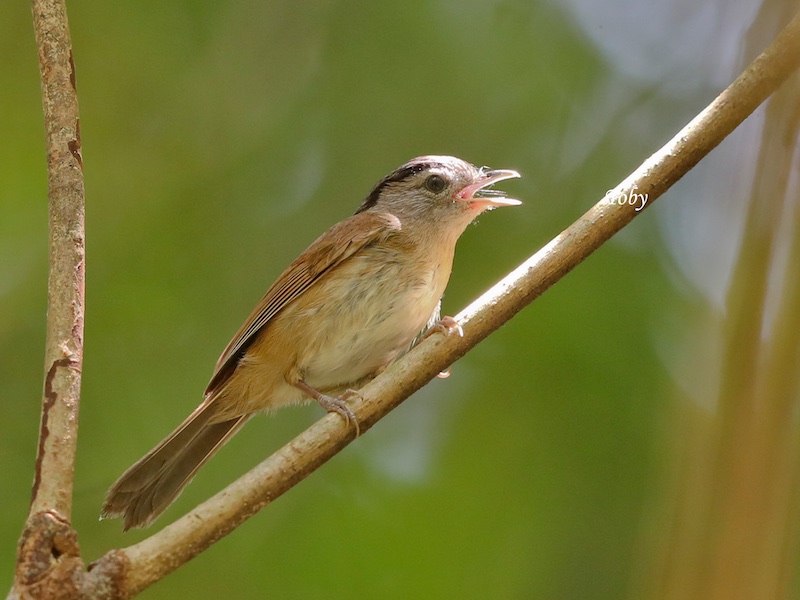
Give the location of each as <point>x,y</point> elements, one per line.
<point>337,404</point>
<point>446,326</point>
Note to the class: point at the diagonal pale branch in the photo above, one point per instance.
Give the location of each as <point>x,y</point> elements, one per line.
<point>150,560</point>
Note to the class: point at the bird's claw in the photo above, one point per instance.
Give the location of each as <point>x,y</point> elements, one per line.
<point>338,405</point>
<point>446,326</point>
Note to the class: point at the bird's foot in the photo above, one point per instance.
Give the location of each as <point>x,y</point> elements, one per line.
<point>446,326</point>
<point>339,405</point>
<point>335,404</point>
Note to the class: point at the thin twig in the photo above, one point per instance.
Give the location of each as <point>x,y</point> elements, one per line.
<point>153,558</point>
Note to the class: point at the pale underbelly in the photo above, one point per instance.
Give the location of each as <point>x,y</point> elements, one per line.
<point>369,327</point>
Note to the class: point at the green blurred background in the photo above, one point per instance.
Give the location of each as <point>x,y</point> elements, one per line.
<point>220,138</point>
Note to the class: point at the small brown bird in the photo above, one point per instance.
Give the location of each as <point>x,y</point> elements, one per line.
<point>349,305</point>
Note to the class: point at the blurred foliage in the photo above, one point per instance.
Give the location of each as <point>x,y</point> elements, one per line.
<point>220,138</point>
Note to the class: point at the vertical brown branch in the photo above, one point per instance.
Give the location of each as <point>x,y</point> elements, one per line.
<point>52,489</point>
<point>49,562</point>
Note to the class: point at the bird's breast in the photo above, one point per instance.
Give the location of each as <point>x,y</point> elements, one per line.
<point>365,314</point>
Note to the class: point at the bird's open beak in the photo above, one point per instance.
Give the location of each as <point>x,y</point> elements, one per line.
<point>478,196</point>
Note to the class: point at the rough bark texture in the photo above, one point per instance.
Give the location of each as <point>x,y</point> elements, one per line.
<point>49,563</point>
<point>52,490</point>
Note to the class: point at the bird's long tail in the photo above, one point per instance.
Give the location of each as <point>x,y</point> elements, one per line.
<point>148,487</point>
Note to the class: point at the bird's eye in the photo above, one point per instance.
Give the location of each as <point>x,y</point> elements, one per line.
<point>435,183</point>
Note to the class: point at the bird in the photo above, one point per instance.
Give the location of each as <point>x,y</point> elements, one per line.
<point>356,299</point>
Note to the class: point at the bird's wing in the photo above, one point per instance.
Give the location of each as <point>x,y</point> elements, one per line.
<point>329,250</point>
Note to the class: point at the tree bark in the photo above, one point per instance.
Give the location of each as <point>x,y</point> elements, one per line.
<point>48,551</point>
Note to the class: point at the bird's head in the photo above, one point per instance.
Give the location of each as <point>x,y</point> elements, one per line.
<point>439,190</point>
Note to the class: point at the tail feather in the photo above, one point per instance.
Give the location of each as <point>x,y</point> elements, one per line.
<point>148,487</point>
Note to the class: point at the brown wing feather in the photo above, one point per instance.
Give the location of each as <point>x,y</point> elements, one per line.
<point>329,250</point>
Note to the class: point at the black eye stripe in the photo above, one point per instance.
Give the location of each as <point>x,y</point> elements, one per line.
<point>400,174</point>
